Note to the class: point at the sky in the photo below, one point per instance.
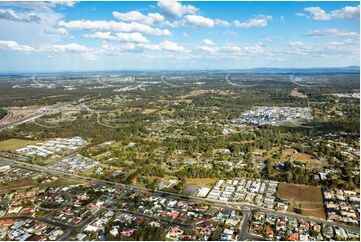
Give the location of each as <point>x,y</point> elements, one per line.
<point>173,35</point>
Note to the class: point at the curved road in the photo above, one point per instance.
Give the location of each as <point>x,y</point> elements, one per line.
<point>169,84</point>
<point>236,84</point>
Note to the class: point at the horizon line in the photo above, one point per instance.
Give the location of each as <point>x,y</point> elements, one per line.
<point>176,70</point>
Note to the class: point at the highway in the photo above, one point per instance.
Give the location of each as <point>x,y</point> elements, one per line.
<point>169,84</point>
<point>299,84</point>
<point>103,83</point>
<point>11,125</point>
<point>232,83</point>
<point>32,118</point>
<point>7,116</point>
<point>236,84</point>
<point>106,125</point>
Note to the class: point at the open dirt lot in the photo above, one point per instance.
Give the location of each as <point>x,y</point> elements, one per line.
<point>150,110</point>
<point>307,198</point>
<point>195,93</point>
<point>296,93</point>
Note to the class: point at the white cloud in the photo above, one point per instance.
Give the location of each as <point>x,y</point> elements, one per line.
<point>348,12</point>
<point>223,23</point>
<point>229,33</point>
<point>65,3</point>
<point>198,21</point>
<point>13,45</point>
<point>135,16</point>
<point>331,32</point>
<point>315,50</point>
<point>110,50</point>
<point>233,51</point>
<point>9,14</point>
<point>298,45</point>
<point>302,15</point>
<point>208,42</point>
<point>171,46</point>
<point>317,13</point>
<point>255,50</point>
<point>136,47</point>
<point>345,47</point>
<point>66,48</point>
<point>173,8</point>
<point>70,49</point>
<point>254,22</point>
<point>58,31</point>
<point>92,53</point>
<point>209,49</point>
<point>101,25</point>
<point>231,48</point>
<point>123,37</point>
<point>39,22</point>
<point>164,45</point>
<point>43,6</point>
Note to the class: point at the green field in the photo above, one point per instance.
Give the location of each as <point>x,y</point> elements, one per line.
<point>203,182</point>
<point>14,144</point>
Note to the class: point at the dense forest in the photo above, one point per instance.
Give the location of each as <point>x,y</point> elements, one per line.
<point>3,113</point>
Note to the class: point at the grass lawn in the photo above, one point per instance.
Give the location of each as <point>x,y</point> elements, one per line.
<point>203,182</point>
<point>302,157</point>
<point>14,144</point>
<point>307,198</point>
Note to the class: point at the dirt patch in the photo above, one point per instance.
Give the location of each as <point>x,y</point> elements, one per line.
<point>195,93</point>
<point>306,198</point>
<point>149,110</point>
<point>296,93</point>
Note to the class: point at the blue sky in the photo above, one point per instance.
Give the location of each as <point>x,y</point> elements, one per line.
<point>170,35</point>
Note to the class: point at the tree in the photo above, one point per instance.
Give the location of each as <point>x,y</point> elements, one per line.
<point>269,167</point>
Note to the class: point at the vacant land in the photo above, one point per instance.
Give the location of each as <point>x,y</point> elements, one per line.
<point>195,93</point>
<point>150,110</point>
<point>14,144</point>
<point>16,185</point>
<point>293,155</point>
<point>27,183</point>
<point>296,93</point>
<point>306,198</point>
<point>203,182</point>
